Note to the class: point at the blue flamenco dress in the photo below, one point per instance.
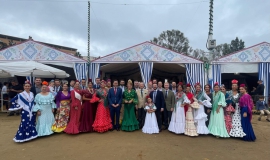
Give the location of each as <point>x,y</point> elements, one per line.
<point>246,105</point>
<point>44,104</point>
<point>27,128</point>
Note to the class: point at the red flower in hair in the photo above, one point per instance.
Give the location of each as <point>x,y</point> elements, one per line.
<point>45,83</point>
<point>89,80</point>
<point>242,85</point>
<point>108,80</point>
<point>234,81</point>
<point>197,84</point>
<point>188,85</point>
<point>77,81</point>
<point>180,83</point>
<point>27,82</point>
<point>216,84</point>
<point>147,97</point>
<point>103,81</point>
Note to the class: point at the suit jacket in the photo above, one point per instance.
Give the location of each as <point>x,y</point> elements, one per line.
<point>261,105</point>
<point>160,102</point>
<point>96,86</point>
<point>260,89</point>
<point>141,99</point>
<point>115,98</point>
<point>33,90</point>
<point>125,88</point>
<point>60,89</point>
<point>170,100</point>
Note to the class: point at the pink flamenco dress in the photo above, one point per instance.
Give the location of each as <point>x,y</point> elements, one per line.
<point>103,121</point>
<point>228,117</point>
<point>75,113</point>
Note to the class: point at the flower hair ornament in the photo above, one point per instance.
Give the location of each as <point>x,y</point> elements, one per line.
<point>197,84</point>
<point>188,85</point>
<point>216,84</point>
<point>45,83</point>
<point>180,83</point>
<point>234,81</point>
<point>242,85</point>
<point>108,80</point>
<point>27,82</point>
<point>89,80</point>
<point>77,81</point>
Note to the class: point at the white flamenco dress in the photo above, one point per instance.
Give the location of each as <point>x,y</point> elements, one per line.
<point>150,124</point>
<point>237,130</point>
<point>199,115</point>
<point>178,120</point>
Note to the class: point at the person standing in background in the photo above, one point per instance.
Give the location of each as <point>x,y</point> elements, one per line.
<point>14,90</point>
<point>174,89</point>
<point>160,86</point>
<point>97,85</point>
<point>136,85</point>
<point>123,88</point>
<point>71,85</point>
<point>36,89</point>
<point>57,86</point>
<point>83,84</point>
<point>5,91</point>
<point>142,94</point>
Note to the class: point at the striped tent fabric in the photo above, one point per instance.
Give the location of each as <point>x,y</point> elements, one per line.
<point>80,70</point>
<point>94,71</point>
<point>216,73</point>
<point>146,71</point>
<point>264,76</point>
<point>195,74</point>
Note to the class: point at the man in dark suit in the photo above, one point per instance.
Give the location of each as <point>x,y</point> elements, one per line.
<point>97,85</point>
<point>158,99</point>
<point>260,88</point>
<point>115,104</point>
<point>57,86</point>
<point>36,88</point>
<point>169,103</point>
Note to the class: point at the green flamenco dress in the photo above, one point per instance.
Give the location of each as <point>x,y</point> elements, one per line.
<point>217,125</point>
<point>130,122</point>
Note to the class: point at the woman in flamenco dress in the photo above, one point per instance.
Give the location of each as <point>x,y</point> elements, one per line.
<point>103,121</point>
<point>246,105</point>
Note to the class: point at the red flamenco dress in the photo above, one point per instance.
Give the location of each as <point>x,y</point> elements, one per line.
<point>75,113</point>
<point>103,120</point>
<point>88,112</point>
<point>190,97</point>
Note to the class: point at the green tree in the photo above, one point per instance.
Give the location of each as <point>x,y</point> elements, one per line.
<point>78,54</point>
<point>173,40</point>
<point>234,46</point>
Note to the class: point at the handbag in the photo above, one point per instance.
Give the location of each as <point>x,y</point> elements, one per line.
<point>195,104</point>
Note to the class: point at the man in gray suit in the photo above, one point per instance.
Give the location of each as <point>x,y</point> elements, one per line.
<point>169,103</point>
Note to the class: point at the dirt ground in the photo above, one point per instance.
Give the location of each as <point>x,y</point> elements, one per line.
<point>132,145</point>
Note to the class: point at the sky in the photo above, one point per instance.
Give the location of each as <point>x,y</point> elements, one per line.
<point>115,26</point>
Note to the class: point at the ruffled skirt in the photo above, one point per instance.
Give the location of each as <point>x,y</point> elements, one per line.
<point>178,122</point>
<point>150,124</point>
<point>190,129</point>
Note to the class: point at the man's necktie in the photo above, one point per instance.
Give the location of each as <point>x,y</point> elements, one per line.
<point>166,94</point>
<point>115,90</point>
<point>142,93</point>
<point>154,96</point>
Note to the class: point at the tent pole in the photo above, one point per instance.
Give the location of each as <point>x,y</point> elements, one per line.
<point>88,45</point>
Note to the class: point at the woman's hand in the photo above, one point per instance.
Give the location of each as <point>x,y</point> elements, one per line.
<point>218,110</point>
<point>52,110</point>
<point>245,114</point>
<point>76,108</point>
<point>101,100</point>
<point>182,105</point>
<point>130,101</point>
<point>208,111</point>
<point>58,110</point>
<point>126,101</point>
<point>171,109</point>
<point>38,113</point>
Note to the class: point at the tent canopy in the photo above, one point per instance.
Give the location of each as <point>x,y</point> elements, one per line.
<point>35,51</point>
<point>28,68</point>
<point>144,52</point>
<point>254,54</point>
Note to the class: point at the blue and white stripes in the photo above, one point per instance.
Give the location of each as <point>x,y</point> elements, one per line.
<point>94,71</point>
<point>146,71</point>
<point>80,70</point>
<point>216,73</point>
<point>264,76</point>
<point>195,74</point>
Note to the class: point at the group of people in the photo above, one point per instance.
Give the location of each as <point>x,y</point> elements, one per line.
<point>100,107</point>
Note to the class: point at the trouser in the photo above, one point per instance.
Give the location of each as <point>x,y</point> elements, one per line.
<point>165,118</point>
<point>263,112</point>
<point>158,115</point>
<point>115,114</point>
<point>141,116</point>
<point>169,116</point>
<point>5,100</point>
